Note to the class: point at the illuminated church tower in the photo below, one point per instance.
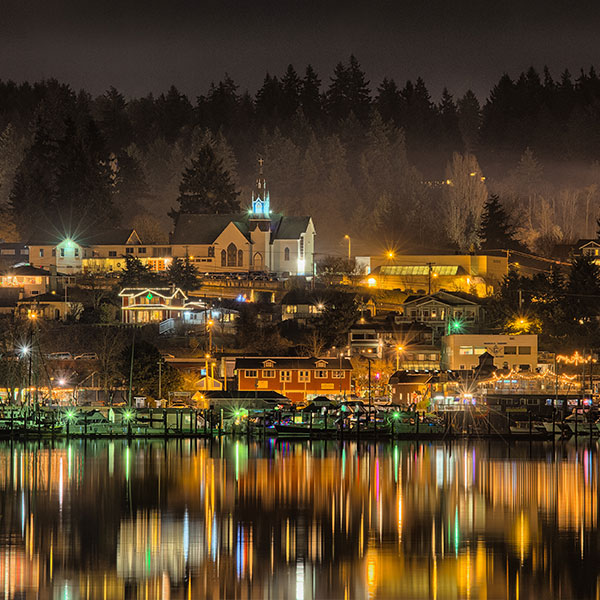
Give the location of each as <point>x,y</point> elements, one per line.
<point>260,195</point>
<point>260,223</point>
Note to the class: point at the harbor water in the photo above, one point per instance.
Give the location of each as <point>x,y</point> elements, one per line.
<point>275,519</point>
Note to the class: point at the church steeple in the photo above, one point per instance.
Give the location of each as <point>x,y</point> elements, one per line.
<point>260,195</point>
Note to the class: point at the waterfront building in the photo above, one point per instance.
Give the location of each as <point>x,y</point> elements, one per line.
<point>296,378</point>
<point>517,352</point>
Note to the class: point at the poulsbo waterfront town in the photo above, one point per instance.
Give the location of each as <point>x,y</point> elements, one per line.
<point>304,330</point>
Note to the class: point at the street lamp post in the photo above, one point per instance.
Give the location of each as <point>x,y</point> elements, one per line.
<point>160,363</point>
<point>347,237</point>
<point>398,350</point>
<point>32,317</point>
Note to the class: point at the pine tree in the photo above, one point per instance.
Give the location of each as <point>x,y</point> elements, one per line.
<point>496,230</point>
<point>389,101</point>
<point>310,95</point>
<point>136,273</point>
<point>582,290</point>
<point>469,120</point>
<point>291,87</point>
<point>206,187</point>
<point>183,274</point>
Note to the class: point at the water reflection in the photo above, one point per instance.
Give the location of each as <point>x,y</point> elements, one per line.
<point>195,519</point>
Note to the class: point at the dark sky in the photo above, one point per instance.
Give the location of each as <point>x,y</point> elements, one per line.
<point>145,46</point>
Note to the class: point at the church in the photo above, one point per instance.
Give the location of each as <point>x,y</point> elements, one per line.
<point>257,240</point>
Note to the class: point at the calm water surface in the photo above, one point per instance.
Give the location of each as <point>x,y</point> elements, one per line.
<point>191,519</point>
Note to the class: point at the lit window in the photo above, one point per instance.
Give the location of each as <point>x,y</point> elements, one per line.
<point>252,373</point>
<point>321,374</point>
<point>268,373</point>
<point>465,350</point>
<point>338,374</point>
<point>303,376</point>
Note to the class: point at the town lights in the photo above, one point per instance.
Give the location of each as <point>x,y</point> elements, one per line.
<point>70,414</point>
<point>127,415</point>
<point>455,326</point>
<point>372,282</point>
<point>24,350</point>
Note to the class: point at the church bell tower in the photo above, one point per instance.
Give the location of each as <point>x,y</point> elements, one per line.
<point>260,223</point>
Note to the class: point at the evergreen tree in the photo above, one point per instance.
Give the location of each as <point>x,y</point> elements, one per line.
<point>389,101</point>
<point>348,93</point>
<point>291,88</point>
<point>269,101</point>
<point>469,120</point>
<point>206,187</point>
<point>144,376</point>
<point>310,95</point>
<point>339,314</point>
<point>496,230</point>
<point>183,274</point>
<point>136,273</point>
<point>582,291</point>
<point>113,120</point>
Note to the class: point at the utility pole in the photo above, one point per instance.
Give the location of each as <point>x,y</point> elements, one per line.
<point>347,237</point>
<point>131,371</point>
<point>429,265</point>
<point>160,379</point>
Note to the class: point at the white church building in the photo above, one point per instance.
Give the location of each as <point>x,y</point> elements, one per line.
<point>257,240</point>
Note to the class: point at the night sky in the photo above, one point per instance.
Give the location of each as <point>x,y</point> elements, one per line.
<point>145,46</point>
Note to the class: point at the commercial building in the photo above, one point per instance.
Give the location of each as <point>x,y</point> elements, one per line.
<point>298,379</point>
<point>478,274</point>
<point>462,352</point>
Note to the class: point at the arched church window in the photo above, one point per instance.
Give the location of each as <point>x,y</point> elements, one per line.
<point>240,258</point>
<point>223,258</point>
<point>286,254</point>
<point>231,255</point>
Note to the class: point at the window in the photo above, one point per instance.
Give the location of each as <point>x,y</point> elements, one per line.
<point>41,253</point>
<point>413,313</point>
<point>268,373</point>
<point>321,374</point>
<point>76,251</point>
<point>338,374</point>
<point>301,247</point>
<point>141,250</point>
<point>211,251</point>
<point>53,252</point>
<point>62,252</point>
<point>291,309</point>
<point>112,253</point>
<point>465,350</point>
<point>421,357</point>
<point>253,373</point>
<point>286,254</point>
<point>285,376</point>
<point>303,376</point>
<point>433,356</point>
<point>223,258</point>
<point>425,314</point>
<point>240,258</point>
<point>129,250</point>
<point>524,349</point>
<point>479,351</point>
<point>7,251</point>
<point>510,350</point>
<point>231,255</point>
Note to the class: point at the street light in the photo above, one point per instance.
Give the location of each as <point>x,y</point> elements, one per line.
<point>347,237</point>
<point>398,350</point>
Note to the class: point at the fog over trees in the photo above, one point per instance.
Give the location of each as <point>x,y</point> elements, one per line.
<point>381,161</point>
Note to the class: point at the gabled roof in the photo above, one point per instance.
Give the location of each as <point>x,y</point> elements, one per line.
<point>162,292</point>
<point>585,243</point>
<point>294,362</point>
<point>26,271</point>
<point>450,299</point>
<point>110,237</point>
<point>289,228</point>
<point>205,229</point>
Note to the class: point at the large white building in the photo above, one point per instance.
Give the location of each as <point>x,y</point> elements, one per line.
<point>257,240</point>
<point>462,352</point>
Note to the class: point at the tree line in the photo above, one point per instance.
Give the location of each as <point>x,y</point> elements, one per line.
<point>375,161</point>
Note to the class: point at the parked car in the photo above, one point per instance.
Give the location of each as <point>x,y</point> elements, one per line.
<point>87,356</point>
<point>60,356</point>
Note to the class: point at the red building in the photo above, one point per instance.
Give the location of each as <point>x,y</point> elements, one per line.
<point>296,378</point>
